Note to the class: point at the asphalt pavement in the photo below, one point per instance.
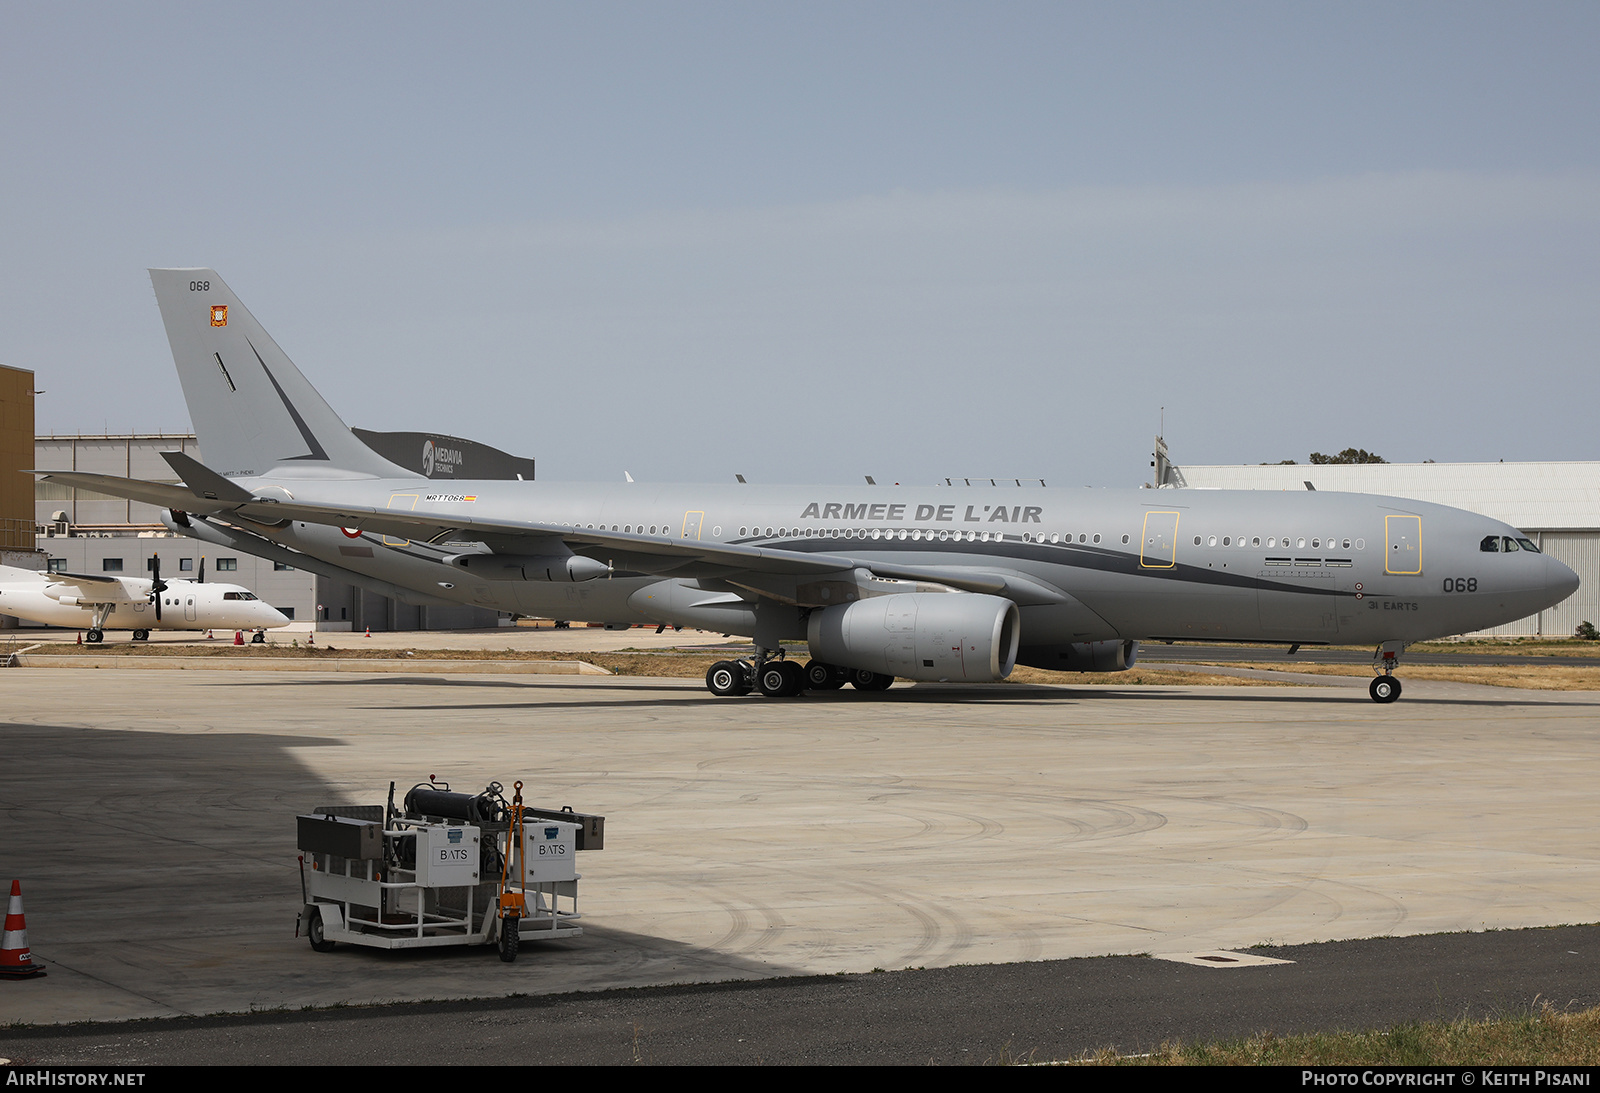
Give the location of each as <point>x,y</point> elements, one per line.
<point>1039,1011</point>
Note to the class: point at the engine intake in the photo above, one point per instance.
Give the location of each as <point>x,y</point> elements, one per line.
<point>918,635</point>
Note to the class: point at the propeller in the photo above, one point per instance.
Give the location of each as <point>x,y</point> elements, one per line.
<point>202,579</point>
<point>157,585</point>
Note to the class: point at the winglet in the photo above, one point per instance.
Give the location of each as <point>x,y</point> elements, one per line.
<point>205,482</point>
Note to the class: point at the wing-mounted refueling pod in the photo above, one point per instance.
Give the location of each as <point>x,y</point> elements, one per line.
<point>530,567</point>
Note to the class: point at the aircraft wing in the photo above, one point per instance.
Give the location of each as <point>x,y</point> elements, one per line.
<point>99,588</point>
<point>656,555</point>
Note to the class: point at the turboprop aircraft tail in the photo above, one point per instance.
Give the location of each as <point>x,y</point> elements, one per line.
<point>253,412</point>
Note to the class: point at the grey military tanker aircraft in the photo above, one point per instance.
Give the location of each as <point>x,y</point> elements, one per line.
<point>921,583</point>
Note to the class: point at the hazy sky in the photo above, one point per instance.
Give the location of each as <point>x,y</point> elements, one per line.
<point>806,242</point>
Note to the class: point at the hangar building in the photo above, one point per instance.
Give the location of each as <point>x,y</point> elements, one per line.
<point>16,452</point>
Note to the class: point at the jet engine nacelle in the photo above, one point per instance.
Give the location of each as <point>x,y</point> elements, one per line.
<point>530,567</point>
<point>919,635</point>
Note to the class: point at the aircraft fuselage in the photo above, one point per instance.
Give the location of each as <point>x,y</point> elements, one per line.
<point>1129,564</point>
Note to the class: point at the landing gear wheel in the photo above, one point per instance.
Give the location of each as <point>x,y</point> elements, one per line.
<point>95,637</point>
<point>780,679</point>
<point>1384,689</point>
<point>141,635</point>
<point>258,638</point>
<point>727,678</point>
<point>508,939</point>
<point>318,939</point>
<point>823,677</point>
<point>863,680</point>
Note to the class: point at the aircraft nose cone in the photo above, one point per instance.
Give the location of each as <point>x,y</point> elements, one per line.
<point>1560,581</point>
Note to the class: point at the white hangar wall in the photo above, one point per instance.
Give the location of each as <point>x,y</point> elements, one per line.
<point>1556,504</point>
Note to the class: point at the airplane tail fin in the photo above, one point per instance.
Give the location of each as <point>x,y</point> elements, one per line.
<point>253,412</point>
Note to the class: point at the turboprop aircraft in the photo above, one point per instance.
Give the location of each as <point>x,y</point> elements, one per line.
<point>920,583</point>
<point>98,602</point>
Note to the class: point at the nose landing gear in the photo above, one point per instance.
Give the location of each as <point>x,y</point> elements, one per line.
<point>1386,688</point>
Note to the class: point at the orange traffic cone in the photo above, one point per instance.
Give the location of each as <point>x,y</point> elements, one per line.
<point>369,631</point>
<point>238,637</point>
<point>15,960</point>
<point>208,635</point>
<point>80,637</point>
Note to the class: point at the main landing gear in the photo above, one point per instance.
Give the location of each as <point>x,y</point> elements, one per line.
<point>776,677</point>
<point>97,623</point>
<point>1386,688</point>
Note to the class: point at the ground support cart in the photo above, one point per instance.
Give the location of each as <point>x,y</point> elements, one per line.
<point>490,874</point>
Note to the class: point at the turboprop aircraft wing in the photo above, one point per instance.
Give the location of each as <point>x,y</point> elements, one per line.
<point>95,588</point>
<point>639,553</point>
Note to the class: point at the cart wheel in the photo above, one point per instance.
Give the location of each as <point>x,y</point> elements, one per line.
<point>319,942</point>
<point>508,939</point>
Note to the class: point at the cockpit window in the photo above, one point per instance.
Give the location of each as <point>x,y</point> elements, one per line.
<point>238,595</point>
<point>1505,544</point>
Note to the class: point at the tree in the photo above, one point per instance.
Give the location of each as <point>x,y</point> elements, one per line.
<point>1349,455</point>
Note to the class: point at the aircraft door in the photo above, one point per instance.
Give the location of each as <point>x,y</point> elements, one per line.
<point>400,501</point>
<point>1402,553</point>
<point>1159,548</point>
<point>189,613</point>
<point>691,524</point>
